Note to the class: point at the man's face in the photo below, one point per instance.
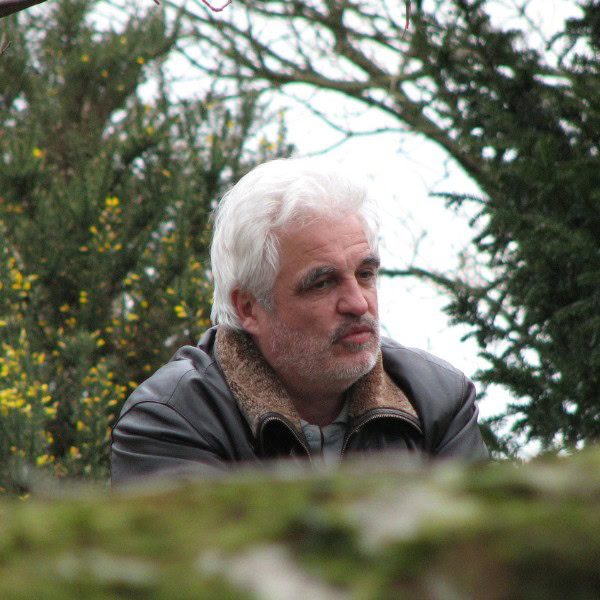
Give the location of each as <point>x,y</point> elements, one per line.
<point>323,329</point>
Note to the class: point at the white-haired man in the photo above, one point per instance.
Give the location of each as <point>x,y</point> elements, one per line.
<point>294,366</point>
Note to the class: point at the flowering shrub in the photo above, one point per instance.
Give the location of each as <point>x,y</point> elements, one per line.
<point>104,219</point>
<point>26,404</point>
<point>28,413</point>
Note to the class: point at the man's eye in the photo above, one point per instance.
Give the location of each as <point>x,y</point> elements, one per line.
<point>321,284</point>
<point>366,275</point>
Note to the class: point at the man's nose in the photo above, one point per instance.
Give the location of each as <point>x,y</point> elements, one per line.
<point>353,299</point>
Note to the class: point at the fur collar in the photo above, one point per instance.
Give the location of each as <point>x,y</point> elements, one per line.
<point>259,391</point>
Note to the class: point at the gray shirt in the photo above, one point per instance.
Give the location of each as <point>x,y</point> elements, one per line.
<point>326,442</point>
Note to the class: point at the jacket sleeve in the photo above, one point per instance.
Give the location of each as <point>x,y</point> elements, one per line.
<point>153,439</point>
<point>462,438</point>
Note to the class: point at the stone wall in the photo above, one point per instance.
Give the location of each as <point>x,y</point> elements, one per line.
<point>374,529</point>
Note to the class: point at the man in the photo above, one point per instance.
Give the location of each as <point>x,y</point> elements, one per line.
<point>294,366</point>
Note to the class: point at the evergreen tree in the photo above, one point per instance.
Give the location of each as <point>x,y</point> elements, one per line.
<point>105,197</point>
<point>523,122</point>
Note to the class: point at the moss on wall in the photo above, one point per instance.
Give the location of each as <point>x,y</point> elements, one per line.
<point>370,530</point>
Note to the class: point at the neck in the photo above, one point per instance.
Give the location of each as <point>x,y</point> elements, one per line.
<point>317,406</point>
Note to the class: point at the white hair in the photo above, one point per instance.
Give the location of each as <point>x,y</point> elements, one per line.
<point>245,249</point>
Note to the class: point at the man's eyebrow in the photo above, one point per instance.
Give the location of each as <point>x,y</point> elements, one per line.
<point>313,275</point>
<point>371,261</point>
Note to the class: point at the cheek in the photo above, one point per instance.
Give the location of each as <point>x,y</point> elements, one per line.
<point>373,303</point>
<point>313,316</point>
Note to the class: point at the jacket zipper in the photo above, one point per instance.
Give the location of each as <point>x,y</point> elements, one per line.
<point>391,415</point>
<point>290,429</point>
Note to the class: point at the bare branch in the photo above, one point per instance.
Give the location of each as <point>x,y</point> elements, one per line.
<point>215,8</point>
<point>8,7</point>
<point>4,44</point>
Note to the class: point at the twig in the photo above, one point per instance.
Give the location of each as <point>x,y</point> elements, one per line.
<point>216,8</point>
<point>4,44</point>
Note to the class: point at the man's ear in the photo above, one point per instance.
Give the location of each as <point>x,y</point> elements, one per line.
<point>245,307</point>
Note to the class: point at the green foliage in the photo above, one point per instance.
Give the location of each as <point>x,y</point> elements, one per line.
<point>105,196</point>
<point>533,130</point>
<point>521,116</point>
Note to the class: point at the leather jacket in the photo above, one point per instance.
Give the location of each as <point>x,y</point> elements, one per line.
<point>219,403</point>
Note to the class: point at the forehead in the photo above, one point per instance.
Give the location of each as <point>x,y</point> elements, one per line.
<point>339,242</point>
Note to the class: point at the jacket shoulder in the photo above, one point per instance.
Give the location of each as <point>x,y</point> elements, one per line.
<point>443,397</point>
<point>399,358</point>
<point>168,385</point>
<point>437,390</point>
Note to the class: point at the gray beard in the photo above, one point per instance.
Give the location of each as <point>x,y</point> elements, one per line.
<point>304,359</point>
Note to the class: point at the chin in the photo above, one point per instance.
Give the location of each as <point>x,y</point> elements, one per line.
<point>355,369</point>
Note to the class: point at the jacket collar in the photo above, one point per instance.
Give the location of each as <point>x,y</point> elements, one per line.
<point>259,392</point>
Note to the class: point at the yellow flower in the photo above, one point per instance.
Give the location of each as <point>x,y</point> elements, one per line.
<point>85,58</point>
<point>37,153</point>
<point>180,311</point>
<point>80,426</point>
<point>140,60</point>
<point>150,130</point>
<point>74,452</point>
<point>64,308</point>
<point>100,343</point>
<point>112,201</point>
<point>3,323</point>
<point>50,411</point>
<point>83,297</point>
<point>104,73</point>
<point>44,459</point>
<point>132,317</point>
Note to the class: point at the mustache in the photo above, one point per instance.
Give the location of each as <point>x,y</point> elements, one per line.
<point>345,328</point>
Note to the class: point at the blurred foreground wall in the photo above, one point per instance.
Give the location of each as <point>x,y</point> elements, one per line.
<point>368,531</point>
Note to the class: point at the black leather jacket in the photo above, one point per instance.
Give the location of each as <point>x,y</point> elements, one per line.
<point>214,405</point>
